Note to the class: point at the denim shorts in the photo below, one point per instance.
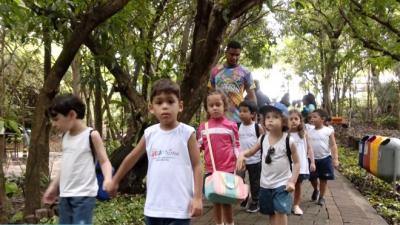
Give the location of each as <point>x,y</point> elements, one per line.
<point>276,200</point>
<point>323,169</point>
<point>76,210</point>
<point>166,221</point>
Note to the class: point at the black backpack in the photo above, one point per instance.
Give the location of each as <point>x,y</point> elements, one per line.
<point>288,151</point>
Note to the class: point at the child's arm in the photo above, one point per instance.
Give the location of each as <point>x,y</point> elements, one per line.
<point>194,153</point>
<point>334,150</point>
<point>101,155</point>
<point>51,193</point>
<point>295,169</point>
<point>240,165</point>
<point>129,161</point>
<point>310,153</point>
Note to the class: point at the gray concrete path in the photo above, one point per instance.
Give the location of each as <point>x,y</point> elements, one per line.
<point>344,205</point>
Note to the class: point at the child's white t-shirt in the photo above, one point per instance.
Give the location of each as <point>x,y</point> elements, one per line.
<point>301,146</point>
<point>169,174</point>
<point>248,138</point>
<point>277,173</point>
<point>77,174</point>
<point>319,141</point>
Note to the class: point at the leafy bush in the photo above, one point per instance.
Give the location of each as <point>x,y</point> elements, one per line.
<point>124,209</point>
<point>379,193</point>
<point>389,122</point>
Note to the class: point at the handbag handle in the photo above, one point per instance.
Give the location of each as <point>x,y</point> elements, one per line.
<point>210,147</point>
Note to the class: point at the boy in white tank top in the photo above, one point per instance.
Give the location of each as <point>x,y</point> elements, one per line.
<point>76,185</point>
<point>174,175</point>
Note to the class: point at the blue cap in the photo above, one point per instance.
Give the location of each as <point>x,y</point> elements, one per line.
<point>277,107</point>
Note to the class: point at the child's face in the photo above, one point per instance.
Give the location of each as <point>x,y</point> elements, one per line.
<point>273,121</point>
<point>62,123</point>
<point>215,106</point>
<point>166,107</point>
<point>294,121</point>
<point>316,119</point>
<point>245,114</point>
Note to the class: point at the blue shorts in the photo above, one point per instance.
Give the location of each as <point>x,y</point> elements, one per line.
<point>166,221</point>
<point>323,169</point>
<point>276,200</point>
<point>76,210</point>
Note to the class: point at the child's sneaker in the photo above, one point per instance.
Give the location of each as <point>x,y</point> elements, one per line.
<point>314,195</point>
<point>321,201</point>
<point>253,208</point>
<point>297,210</point>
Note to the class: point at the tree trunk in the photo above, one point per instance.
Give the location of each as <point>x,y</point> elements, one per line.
<point>211,22</point>
<point>3,198</point>
<point>98,112</point>
<point>38,151</point>
<point>76,75</point>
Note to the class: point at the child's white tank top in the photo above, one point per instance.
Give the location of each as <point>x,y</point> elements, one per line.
<point>301,146</point>
<point>77,175</point>
<point>169,174</point>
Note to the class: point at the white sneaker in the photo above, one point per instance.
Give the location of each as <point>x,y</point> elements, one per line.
<point>297,210</point>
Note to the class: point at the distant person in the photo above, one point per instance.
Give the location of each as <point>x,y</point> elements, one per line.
<point>262,99</point>
<point>283,104</point>
<point>224,142</point>
<point>322,140</point>
<point>174,175</point>
<point>309,105</point>
<point>76,184</point>
<point>233,79</point>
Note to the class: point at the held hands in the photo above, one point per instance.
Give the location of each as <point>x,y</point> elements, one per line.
<point>196,207</point>
<point>111,187</point>
<point>240,164</point>
<point>290,186</point>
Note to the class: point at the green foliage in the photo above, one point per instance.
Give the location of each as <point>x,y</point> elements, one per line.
<point>120,210</point>
<point>388,122</point>
<point>379,193</point>
<point>11,189</point>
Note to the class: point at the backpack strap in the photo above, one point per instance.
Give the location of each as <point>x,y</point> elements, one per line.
<point>92,146</point>
<point>257,129</point>
<point>261,144</point>
<point>288,151</point>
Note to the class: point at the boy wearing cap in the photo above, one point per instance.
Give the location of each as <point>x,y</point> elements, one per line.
<point>277,177</point>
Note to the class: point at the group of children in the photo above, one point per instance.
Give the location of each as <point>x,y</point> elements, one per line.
<point>275,155</point>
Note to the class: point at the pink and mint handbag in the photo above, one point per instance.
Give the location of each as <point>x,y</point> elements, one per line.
<point>223,187</point>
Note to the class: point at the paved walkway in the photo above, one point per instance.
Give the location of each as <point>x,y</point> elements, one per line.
<point>344,205</point>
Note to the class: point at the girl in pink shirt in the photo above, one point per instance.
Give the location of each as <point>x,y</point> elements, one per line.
<point>224,139</point>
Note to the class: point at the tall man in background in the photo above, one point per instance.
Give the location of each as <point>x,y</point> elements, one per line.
<point>233,79</point>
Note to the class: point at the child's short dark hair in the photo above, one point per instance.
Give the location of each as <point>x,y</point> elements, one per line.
<point>167,86</point>
<point>250,105</point>
<point>64,103</point>
<point>322,113</point>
